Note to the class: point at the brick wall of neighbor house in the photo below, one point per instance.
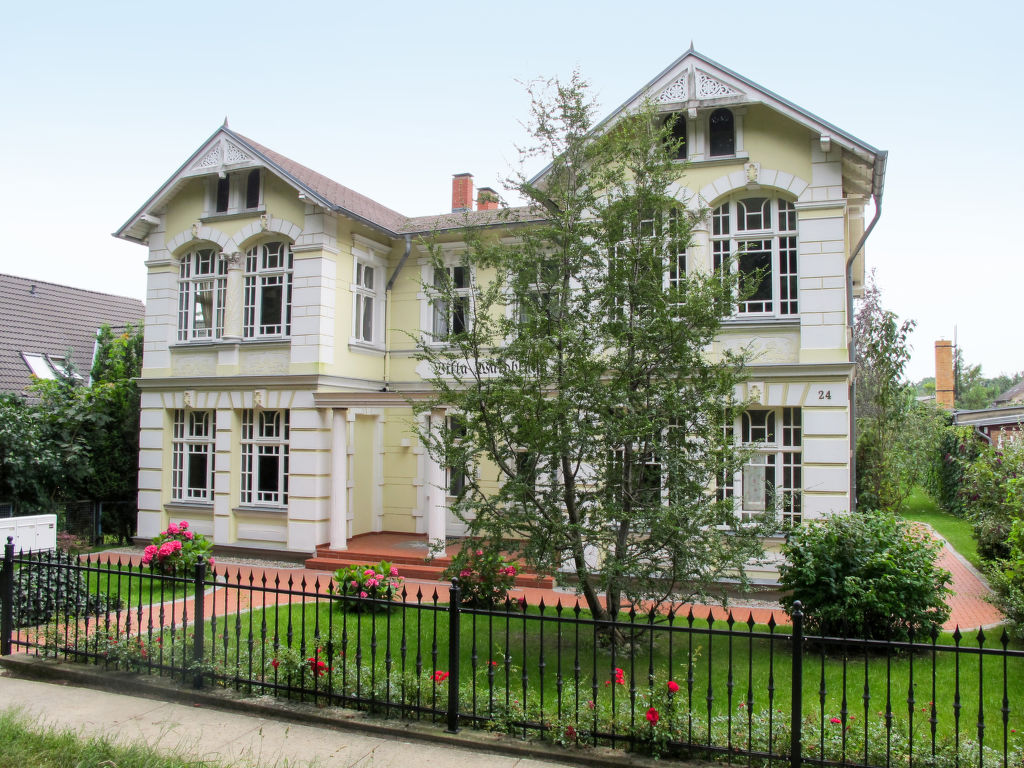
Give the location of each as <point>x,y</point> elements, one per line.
<point>339,376</point>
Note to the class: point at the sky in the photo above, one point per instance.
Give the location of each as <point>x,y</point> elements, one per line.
<point>103,101</point>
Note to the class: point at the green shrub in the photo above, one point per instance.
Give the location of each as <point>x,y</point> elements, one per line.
<point>49,588</point>
<point>866,575</point>
<point>369,583</point>
<point>485,577</point>
<point>176,550</point>
<point>992,493</point>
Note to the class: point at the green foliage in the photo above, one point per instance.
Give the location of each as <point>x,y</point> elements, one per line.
<point>590,417</point>
<point>52,587</point>
<point>956,449</point>
<point>885,469</point>
<point>28,463</point>
<point>176,550</point>
<point>485,577</point>
<point>992,493</point>
<point>867,575</point>
<point>974,391</point>
<point>370,582</point>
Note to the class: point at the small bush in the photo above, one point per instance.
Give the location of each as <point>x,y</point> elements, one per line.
<point>992,493</point>
<point>49,588</point>
<point>865,575</point>
<point>176,550</point>
<point>368,582</point>
<point>485,577</point>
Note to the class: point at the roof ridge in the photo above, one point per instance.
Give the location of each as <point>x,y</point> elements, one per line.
<point>34,281</point>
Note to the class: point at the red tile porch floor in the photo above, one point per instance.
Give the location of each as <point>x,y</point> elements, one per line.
<point>969,608</point>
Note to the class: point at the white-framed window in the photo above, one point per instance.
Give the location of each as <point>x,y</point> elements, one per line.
<point>202,290</point>
<point>721,133</point>
<point>757,236</point>
<point>46,366</point>
<point>265,458</point>
<point>365,305</point>
<point>456,475</point>
<point>267,309</point>
<point>772,478</point>
<point>673,257</point>
<point>450,318</point>
<point>192,455</point>
<point>235,192</point>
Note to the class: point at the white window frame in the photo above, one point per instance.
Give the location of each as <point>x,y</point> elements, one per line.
<point>238,188</point>
<point>779,450</point>
<point>372,295</point>
<point>201,270</point>
<point>267,265</point>
<point>194,433</point>
<point>732,238</point>
<point>435,307</point>
<point>265,433</point>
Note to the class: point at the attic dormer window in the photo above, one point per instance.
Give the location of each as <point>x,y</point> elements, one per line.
<point>679,134</point>
<point>722,133</point>
<point>223,194</point>
<point>252,189</point>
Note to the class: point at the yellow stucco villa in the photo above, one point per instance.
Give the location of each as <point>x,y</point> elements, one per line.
<point>278,360</point>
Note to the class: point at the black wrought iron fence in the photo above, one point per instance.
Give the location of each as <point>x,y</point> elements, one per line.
<point>669,684</point>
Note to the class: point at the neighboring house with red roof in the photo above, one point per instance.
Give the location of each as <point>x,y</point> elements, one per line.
<point>282,306</point>
<point>45,328</point>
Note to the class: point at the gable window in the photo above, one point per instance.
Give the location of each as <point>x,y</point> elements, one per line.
<point>192,455</point>
<point>265,437</point>
<point>202,285</point>
<point>235,192</point>
<point>772,479</point>
<point>721,133</point>
<point>679,135</point>
<point>268,291</point>
<point>364,302</point>
<point>757,237</point>
<point>453,317</point>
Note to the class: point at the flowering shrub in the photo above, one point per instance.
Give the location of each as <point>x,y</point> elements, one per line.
<point>485,577</point>
<point>176,550</point>
<point>370,582</point>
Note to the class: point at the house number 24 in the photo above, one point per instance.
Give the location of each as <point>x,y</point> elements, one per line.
<point>824,394</point>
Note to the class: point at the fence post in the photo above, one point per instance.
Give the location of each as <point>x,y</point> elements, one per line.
<point>454,609</point>
<point>797,694</point>
<point>198,621</point>
<point>7,595</point>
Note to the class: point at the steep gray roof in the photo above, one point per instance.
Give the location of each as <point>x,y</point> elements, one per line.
<point>48,319</point>
<point>1013,394</point>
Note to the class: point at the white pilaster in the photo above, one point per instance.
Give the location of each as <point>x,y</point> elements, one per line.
<point>437,491</point>
<point>339,479</point>
<point>233,298</point>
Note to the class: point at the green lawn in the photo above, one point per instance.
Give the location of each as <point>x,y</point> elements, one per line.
<point>957,531</point>
<point>26,743</point>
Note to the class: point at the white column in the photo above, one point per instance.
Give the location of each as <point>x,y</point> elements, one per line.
<point>339,479</point>
<point>437,507</point>
<point>233,298</point>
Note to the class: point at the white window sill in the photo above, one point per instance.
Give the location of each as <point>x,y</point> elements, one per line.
<point>261,509</point>
<point>188,504</point>
<point>212,343</point>
<point>716,160</point>
<point>358,345</point>
<point>232,213</point>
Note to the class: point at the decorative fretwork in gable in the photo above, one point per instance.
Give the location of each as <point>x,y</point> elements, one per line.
<point>222,152</point>
<point>711,88</point>
<point>674,92</point>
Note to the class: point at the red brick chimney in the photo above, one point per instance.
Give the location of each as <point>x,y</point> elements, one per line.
<point>944,384</point>
<point>486,199</point>
<point>462,192</point>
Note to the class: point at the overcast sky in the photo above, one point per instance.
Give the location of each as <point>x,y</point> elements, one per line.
<point>103,101</point>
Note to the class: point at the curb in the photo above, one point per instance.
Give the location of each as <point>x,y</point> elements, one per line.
<point>128,683</point>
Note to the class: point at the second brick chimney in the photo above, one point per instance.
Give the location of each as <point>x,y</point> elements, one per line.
<point>462,192</point>
<point>944,384</point>
<point>486,199</point>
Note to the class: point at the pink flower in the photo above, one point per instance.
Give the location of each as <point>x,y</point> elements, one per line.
<point>394,571</point>
<point>363,594</point>
<point>479,553</point>
<point>440,677</point>
<point>148,554</point>
<point>464,573</point>
<point>183,525</point>
<point>172,528</point>
<point>274,663</point>
<point>590,704</point>
<point>189,535</point>
<point>511,570</point>
<point>210,561</point>
<point>835,720</point>
<point>355,583</point>
<point>673,686</point>
<point>175,545</point>
<point>652,716</point>
<point>372,582</point>
<point>165,550</point>
<point>369,572</point>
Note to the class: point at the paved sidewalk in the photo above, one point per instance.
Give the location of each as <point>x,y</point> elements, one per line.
<point>208,734</point>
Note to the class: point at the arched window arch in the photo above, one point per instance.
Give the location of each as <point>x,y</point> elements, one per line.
<point>202,288</point>
<point>757,237</point>
<point>267,306</point>
<point>722,133</point>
